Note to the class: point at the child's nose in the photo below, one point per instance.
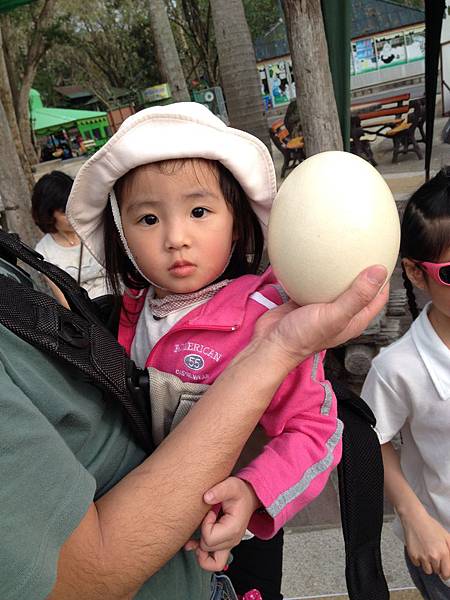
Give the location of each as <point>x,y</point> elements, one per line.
<point>177,236</point>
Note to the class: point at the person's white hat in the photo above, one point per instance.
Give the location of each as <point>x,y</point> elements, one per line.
<point>180,130</point>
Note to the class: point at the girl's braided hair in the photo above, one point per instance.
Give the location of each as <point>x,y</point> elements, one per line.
<point>425,232</point>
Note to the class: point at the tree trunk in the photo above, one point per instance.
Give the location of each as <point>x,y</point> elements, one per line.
<point>36,51</point>
<point>14,191</point>
<point>314,86</point>
<point>168,59</point>
<point>8,104</point>
<point>239,73</point>
<point>23,112</point>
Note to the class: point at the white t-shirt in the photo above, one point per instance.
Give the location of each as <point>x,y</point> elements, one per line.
<point>408,389</point>
<point>68,258</point>
<point>149,330</point>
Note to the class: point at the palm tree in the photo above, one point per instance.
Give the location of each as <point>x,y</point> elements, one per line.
<point>239,74</point>
<point>168,59</point>
<point>315,95</point>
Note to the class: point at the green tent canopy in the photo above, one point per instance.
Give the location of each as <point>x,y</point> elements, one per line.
<point>91,124</point>
<point>7,5</point>
<point>46,121</point>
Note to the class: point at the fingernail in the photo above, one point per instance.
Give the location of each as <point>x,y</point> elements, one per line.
<point>377,274</point>
<point>208,497</point>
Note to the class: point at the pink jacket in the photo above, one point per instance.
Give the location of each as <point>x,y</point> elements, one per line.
<point>301,420</point>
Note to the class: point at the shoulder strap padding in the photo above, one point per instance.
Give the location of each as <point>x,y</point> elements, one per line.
<point>361,481</point>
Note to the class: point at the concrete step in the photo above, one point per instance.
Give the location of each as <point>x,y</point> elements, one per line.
<point>406,594</point>
<point>314,564</point>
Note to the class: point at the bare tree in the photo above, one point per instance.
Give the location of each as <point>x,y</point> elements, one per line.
<point>37,44</point>
<point>168,59</point>
<point>14,191</point>
<point>7,99</point>
<point>196,33</point>
<point>314,85</point>
<point>240,77</point>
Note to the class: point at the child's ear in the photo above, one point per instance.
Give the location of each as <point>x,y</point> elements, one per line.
<point>414,273</point>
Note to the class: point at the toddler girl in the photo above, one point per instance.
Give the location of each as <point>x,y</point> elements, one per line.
<point>176,207</point>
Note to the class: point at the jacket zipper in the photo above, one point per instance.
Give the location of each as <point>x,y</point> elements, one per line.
<point>176,329</point>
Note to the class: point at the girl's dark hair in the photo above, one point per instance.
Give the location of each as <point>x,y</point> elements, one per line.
<point>248,247</point>
<point>425,232</point>
<point>50,193</point>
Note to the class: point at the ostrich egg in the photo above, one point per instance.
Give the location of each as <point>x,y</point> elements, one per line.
<point>332,217</point>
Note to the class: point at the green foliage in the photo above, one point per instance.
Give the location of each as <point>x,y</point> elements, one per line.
<point>262,16</point>
<point>102,45</point>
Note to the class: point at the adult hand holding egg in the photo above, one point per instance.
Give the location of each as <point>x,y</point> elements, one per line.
<point>333,217</point>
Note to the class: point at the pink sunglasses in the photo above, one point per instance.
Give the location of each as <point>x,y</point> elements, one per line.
<point>440,272</point>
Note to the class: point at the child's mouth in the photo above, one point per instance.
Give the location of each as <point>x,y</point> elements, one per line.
<point>182,269</point>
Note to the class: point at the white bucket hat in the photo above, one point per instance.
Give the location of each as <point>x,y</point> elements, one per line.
<point>180,130</point>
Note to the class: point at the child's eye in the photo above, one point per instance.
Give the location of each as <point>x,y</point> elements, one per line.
<point>199,212</point>
<point>149,219</point>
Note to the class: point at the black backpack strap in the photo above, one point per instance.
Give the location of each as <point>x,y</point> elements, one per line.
<point>12,248</point>
<point>76,337</point>
<point>361,483</point>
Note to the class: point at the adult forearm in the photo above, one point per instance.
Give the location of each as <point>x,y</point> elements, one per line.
<point>144,520</point>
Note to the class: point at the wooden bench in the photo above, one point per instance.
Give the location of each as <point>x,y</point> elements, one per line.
<point>403,135</point>
<point>394,111</point>
<point>292,149</point>
<point>400,100</point>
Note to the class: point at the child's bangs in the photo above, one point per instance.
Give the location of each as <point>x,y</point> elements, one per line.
<point>437,238</point>
<point>200,166</point>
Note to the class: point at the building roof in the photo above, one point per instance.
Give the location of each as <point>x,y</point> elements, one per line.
<point>74,92</point>
<point>368,17</point>
<point>50,120</point>
<point>373,16</point>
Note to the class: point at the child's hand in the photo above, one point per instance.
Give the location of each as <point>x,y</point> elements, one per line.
<point>428,544</point>
<point>238,502</point>
<point>221,532</point>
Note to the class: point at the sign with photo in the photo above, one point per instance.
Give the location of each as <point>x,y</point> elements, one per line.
<point>364,57</point>
<point>391,50</point>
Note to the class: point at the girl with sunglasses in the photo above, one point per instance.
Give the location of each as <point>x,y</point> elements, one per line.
<point>408,388</point>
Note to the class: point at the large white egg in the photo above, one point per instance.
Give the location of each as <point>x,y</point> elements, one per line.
<point>333,216</point>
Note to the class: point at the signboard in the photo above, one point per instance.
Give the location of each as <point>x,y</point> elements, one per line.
<point>391,50</point>
<point>364,57</point>
<point>155,93</point>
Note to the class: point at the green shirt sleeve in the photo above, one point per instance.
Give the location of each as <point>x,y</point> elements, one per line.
<point>44,494</point>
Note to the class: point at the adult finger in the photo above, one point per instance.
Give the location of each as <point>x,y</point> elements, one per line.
<point>360,294</point>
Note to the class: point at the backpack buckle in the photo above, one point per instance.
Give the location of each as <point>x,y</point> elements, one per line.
<point>72,333</point>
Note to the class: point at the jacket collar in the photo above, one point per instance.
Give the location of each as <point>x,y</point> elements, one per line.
<point>227,308</point>
<point>433,352</point>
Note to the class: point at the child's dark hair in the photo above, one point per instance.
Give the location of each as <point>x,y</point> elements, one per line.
<point>248,247</point>
<point>50,193</point>
<point>425,232</point>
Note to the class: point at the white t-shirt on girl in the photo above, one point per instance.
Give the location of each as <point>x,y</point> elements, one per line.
<point>68,258</point>
<point>408,389</point>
